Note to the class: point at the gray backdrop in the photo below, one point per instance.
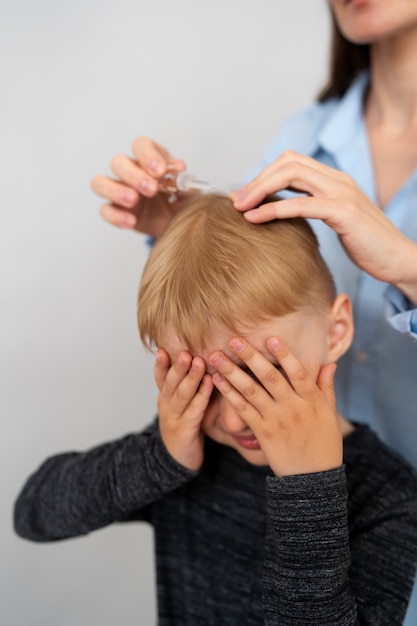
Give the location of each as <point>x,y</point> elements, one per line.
<point>79,80</point>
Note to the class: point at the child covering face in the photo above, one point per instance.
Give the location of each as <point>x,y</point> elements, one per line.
<point>268,506</point>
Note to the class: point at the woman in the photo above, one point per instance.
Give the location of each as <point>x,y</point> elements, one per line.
<point>354,154</point>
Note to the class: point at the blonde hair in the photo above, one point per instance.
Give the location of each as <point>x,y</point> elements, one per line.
<point>213,268</point>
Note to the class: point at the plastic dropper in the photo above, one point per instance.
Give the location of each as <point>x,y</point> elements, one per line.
<point>188,182</point>
<point>175,181</point>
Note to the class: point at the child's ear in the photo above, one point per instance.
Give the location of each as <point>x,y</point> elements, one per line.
<point>340,333</point>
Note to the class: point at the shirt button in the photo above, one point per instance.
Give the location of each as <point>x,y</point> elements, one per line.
<point>362,356</point>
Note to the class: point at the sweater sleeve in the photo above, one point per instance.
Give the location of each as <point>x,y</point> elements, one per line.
<point>318,575</point>
<point>74,493</point>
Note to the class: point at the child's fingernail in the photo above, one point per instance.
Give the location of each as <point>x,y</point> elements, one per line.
<point>216,359</point>
<point>274,343</point>
<point>218,379</point>
<point>237,345</point>
<point>195,365</point>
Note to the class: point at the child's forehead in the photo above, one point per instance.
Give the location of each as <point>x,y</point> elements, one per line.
<point>216,341</point>
<point>217,336</point>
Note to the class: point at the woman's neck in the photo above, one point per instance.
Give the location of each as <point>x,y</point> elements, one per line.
<point>391,114</point>
<point>392,97</point>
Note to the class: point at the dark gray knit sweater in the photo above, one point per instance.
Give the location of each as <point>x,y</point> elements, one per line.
<point>237,545</point>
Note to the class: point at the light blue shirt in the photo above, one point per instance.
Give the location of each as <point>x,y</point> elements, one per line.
<point>376,381</point>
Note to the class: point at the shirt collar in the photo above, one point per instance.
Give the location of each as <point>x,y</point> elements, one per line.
<point>344,136</point>
<point>347,119</point>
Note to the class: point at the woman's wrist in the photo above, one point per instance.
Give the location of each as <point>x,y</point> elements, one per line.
<point>408,282</point>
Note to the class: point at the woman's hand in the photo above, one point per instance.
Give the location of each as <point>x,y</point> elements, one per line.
<point>292,416</point>
<point>133,197</point>
<point>185,391</point>
<point>369,237</point>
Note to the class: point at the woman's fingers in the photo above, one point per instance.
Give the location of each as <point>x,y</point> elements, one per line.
<point>290,171</point>
<point>121,218</point>
<point>133,198</point>
<point>153,157</point>
<point>133,175</point>
<point>115,191</point>
<point>308,207</point>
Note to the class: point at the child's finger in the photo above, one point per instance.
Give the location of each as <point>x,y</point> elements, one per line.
<point>270,375</point>
<point>201,399</point>
<point>189,385</point>
<point>182,383</point>
<point>325,382</point>
<point>243,389</point>
<point>248,389</point>
<point>295,372</point>
<point>162,365</point>
<point>177,372</point>
<point>244,407</point>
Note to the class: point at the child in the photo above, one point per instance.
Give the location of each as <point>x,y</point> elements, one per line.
<point>268,506</point>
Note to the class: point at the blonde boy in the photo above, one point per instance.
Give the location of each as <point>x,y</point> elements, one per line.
<point>268,506</point>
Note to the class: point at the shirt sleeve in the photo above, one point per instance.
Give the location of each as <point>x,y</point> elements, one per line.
<point>318,574</point>
<point>401,313</point>
<point>307,550</point>
<point>74,493</point>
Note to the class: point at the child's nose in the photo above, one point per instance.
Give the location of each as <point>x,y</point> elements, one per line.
<point>232,421</point>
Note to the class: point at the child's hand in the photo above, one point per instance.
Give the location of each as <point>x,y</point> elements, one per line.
<point>292,416</point>
<point>185,391</point>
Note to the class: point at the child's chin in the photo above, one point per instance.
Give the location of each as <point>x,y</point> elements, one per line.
<point>254,457</point>
<point>257,459</point>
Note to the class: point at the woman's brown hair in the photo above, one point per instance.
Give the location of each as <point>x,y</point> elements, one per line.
<point>347,61</point>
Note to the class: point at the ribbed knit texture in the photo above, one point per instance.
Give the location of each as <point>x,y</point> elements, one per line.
<point>236,545</point>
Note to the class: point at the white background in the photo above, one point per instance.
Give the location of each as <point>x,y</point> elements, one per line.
<point>79,80</point>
